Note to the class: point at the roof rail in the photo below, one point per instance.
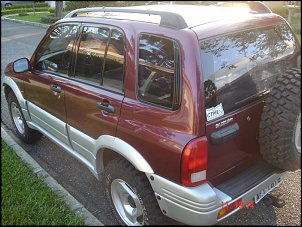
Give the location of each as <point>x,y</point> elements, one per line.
<point>255,6</point>
<point>168,19</point>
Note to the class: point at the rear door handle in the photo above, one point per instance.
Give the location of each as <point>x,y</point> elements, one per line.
<point>55,88</point>
<point>105,106</point>
<point>225,134</point>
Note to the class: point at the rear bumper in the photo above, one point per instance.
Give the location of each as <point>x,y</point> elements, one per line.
<point>200,205</point>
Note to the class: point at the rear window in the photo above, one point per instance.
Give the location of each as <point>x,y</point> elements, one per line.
<point>241,67</point>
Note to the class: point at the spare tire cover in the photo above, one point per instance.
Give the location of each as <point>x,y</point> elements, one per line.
<point>280,125</point>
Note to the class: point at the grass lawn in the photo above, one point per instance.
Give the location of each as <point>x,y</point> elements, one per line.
<point>31,17</point>
<point>26,200</point>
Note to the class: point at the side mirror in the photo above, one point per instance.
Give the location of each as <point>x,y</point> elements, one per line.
<point>21,65</point>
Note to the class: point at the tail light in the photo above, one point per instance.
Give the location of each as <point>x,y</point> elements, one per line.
<point>194,162</point>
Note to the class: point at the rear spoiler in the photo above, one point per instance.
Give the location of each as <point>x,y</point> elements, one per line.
<point>254,6</point>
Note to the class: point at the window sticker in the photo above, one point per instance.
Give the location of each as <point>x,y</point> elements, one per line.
<point>214,112</point>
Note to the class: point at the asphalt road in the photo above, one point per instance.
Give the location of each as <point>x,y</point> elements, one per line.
<point>19,40</point>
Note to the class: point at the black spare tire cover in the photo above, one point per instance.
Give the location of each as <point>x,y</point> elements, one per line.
<point>280,126</point>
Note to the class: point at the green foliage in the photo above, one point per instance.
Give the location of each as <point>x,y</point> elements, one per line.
<point>196,2</point>
<point>16,11</point>
<point>28,6</point>
<point>296,25</point>
<point>131,3</point>
<point>71,5</point>
<point>26,200</point>
<point>22,14</point>
<point>49,19</point>
<point>299,37</point>
<point>52,10</point>
<point>280,10</point>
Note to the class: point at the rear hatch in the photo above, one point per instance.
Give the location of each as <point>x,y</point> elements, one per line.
<point>238,70</point>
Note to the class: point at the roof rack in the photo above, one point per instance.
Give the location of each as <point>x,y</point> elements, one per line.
<point>255,6</point>
<point>168,19</point>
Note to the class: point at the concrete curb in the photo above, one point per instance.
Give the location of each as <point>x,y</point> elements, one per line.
<point>74,205</point>
<point>25,22</point>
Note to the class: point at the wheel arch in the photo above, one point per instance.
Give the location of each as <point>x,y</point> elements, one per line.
<point>119,148</point>
<point>10,86</point>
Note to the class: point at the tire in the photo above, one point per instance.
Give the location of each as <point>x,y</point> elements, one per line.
<point>280,126</point>
<point>128,190</point>
<point>25,133</point>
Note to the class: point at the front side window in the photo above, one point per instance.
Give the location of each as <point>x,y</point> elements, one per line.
<point>55,52</point>
<point>158,71</point>
<point>101,57</point>
<point>91,52</point>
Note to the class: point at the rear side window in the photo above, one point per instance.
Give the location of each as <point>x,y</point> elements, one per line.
<point>158,71</point>
<point>114,62</point>
<point>241,67</point>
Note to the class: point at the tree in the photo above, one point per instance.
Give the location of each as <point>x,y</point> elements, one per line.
<point>59,9</point>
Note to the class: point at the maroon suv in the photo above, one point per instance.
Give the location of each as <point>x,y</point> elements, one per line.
<point>185,112</point>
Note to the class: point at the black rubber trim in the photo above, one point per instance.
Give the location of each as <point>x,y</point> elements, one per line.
<point>225,134</point>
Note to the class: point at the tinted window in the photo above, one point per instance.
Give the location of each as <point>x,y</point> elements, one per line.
<point>100,57</point>
<point>157,70</point>
<point>241,67</point>
<point>114,64</point>
<point>55,52</point>
<point>91,52</point>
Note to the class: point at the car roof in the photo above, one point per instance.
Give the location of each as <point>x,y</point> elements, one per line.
<point>173,16</point>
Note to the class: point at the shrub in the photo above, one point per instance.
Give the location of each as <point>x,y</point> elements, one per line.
<point>52,10</point>
<point>49,19</point>
<point>17,11</point>
<point>37,5</point>
<point>23,12</point>
<point>280,10</point>
<point>71,5</point>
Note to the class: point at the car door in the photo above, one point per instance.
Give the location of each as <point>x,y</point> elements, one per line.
<point>95,92</point>
<point>46,82</point>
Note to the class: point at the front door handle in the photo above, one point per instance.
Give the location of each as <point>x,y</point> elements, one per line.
<point>55,88</point>
<point>105,106</point>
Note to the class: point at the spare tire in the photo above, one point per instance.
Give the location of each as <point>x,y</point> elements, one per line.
<point>280,126</point>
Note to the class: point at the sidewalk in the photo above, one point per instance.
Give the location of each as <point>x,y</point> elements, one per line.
<point>71,202</point>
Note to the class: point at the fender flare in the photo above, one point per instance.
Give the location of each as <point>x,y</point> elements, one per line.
<point>7,81</point>
<point>122,148</point>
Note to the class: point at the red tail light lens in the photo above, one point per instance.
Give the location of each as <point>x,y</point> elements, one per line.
<point>195,162</point>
